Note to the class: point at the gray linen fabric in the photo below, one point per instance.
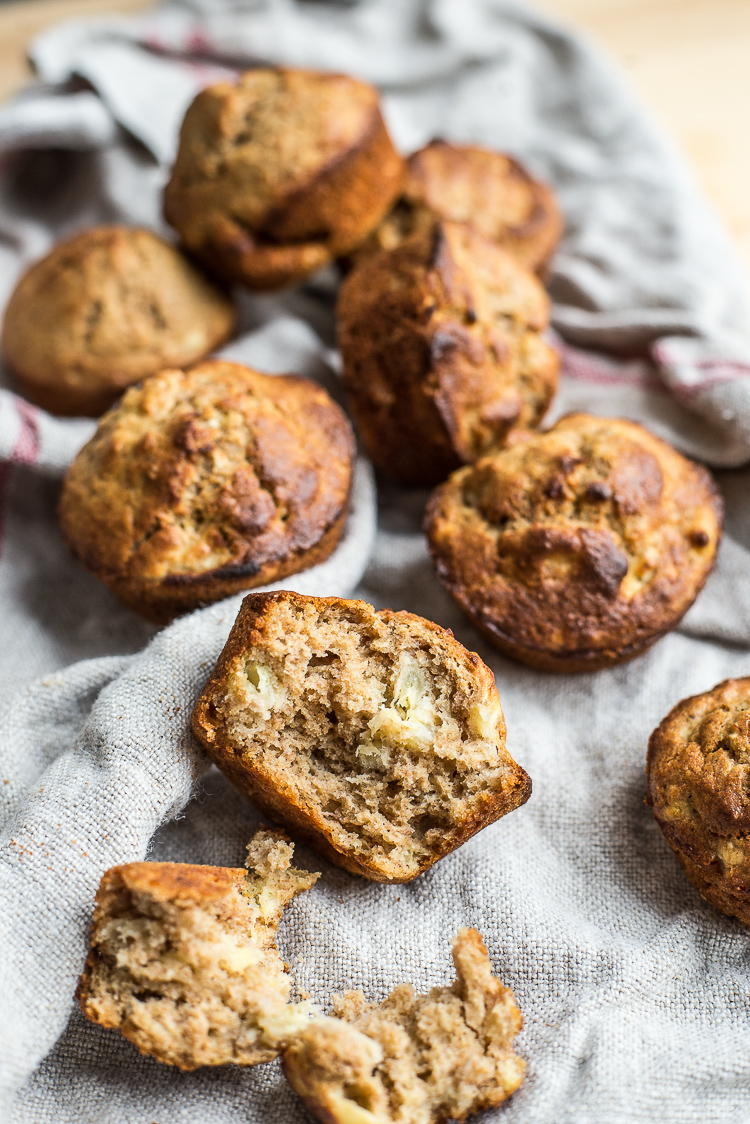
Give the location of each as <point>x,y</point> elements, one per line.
<point>634,991</point>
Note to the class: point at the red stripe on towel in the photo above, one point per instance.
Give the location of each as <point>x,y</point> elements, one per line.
<point>26,447</point>
<point>588,366</point>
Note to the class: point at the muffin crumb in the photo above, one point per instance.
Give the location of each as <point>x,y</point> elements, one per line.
<point>415,1059</point>
<point>375,737</point>
<point>183,960</point>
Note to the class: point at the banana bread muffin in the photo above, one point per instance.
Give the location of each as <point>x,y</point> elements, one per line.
<point>183,960</point>
<point>489,190</point>
<point>442,352</point>
<point>413,1059</point>
<point>104,309</point>
<point>281,173</point>
<point>698,771</point>
<point>202,483</point>
<point>374,736</point>
<point>578,548</point>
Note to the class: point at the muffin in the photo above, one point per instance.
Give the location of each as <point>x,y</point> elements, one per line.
<point>442,352</point>
<point>489,190</point>
<point>375,737</point>
<point>578,548</point>
<point>281,173</point>
<point>698,769</point>
<point>104,309</point>
<point>183,960</point>
<point>202,483</point>
<point>415,1059</point>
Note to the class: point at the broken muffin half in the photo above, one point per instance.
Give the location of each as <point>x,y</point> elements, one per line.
<point>375,737</point>
<point>413,1059</point>
<point>183,960</point>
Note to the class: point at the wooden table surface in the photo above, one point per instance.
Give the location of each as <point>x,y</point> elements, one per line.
<point>688,59</point>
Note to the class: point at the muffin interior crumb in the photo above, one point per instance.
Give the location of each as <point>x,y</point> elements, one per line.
<point>193,976</point>
<point>379,732</point>
<point>415,1059</point>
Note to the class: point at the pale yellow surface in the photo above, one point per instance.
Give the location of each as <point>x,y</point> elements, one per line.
<point>688,59</point>
<point>690,62</point>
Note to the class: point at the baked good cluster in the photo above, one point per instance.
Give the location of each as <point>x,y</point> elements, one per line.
<point>372,736</point>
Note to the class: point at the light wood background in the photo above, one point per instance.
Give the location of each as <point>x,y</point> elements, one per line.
<point>688,59</point>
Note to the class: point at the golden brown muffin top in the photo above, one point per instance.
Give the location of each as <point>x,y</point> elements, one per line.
<point>594,536</point>
<point>441,335</point>
<point>489,190</point>
<point>699,781</point>
<point>167,882</point>
<point>217,469</point>
<point>254,159</point>
<point>107,307</point>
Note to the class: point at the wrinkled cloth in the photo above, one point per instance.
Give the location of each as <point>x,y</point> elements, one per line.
<point>634,991</point>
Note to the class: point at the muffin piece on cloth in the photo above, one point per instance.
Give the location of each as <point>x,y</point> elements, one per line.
<point>103,310</point>
<point>415,1059</point>
<point>281,173</point>
<point>183,959</point>
<point>374,736</point>
<point>698,769</point>
<point>580,547</point>
<point>202,483</point>
<point>442,352</point>
<point>489,190</point>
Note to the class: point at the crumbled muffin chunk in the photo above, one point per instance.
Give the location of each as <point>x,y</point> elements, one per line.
<point>183,960</point>
<point>413,1059</point>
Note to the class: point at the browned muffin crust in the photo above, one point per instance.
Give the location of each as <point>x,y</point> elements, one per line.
<point>103,310</point>
<point>490,191</point>
<point>281,173</point>
<point>183,960</point>
<point>413,1059</point>
<point>698,770</point>
<point>375,737</point>
<point>442,353</point>
<point>580,547</point>
<point>202,483</point>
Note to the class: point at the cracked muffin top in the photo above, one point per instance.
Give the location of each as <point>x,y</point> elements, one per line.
<point>280,173</point>
<point>201,483</point>
<point>579,547</point>
<point>102,310</point>
<point>699,789</point>
<point>442,351</point>
<point>490,191</point>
